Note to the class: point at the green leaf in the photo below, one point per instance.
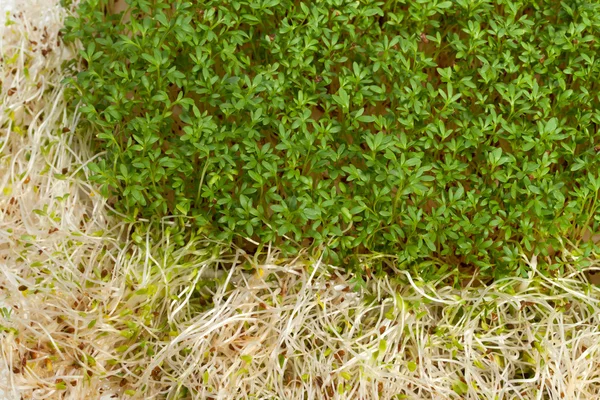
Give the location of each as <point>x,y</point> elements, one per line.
<point>312,213</point>
<point>412,366</point>
<point>160,17</point>
<point>342,99</point>
<point>579,164</point>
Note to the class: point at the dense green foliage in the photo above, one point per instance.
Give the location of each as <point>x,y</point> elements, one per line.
<point>455,131</point>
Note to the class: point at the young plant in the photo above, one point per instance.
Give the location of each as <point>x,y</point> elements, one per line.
<point>448,131</point>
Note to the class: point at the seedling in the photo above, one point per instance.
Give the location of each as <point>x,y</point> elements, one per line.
<point>450,131</point>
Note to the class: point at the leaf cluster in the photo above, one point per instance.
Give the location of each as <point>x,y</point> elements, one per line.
<point>459,132</point>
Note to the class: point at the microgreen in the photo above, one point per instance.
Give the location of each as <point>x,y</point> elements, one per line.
<point>457,131</point>
<point>85,311</point>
